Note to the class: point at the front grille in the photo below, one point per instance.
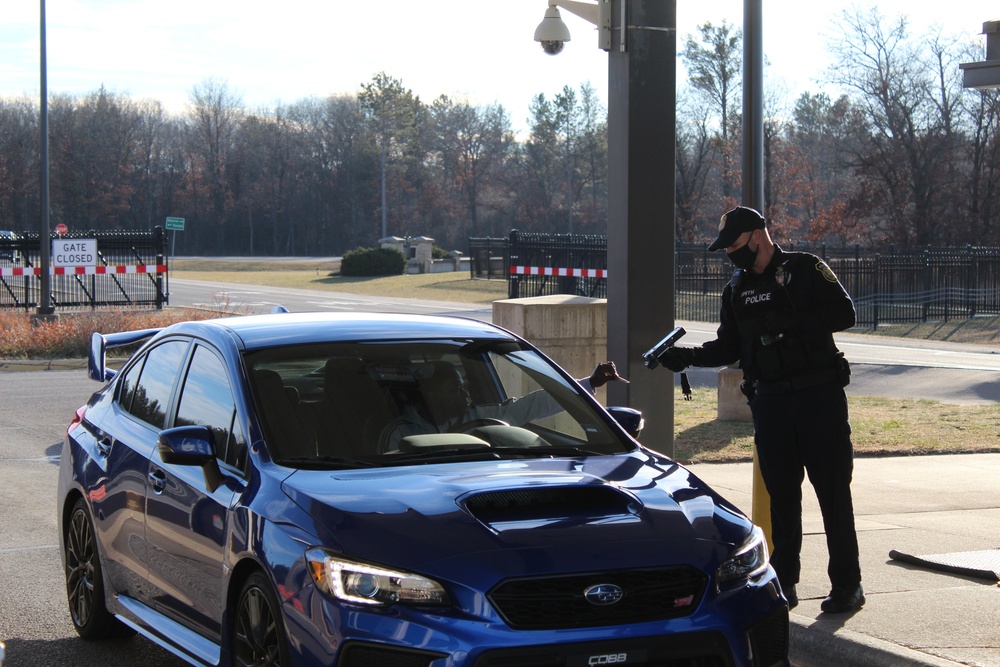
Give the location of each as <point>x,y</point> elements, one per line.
<point>357,654</point>
<point>769,640</point>
<point>700,649</point>
<point>559,602</point>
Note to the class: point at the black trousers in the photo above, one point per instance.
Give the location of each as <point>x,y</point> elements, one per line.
<point>807,430</point>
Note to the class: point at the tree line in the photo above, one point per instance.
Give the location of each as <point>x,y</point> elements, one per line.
<point>902,154</point>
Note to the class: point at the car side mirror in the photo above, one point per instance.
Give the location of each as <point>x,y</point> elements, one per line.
<point>629,419</point>
<point>191,446</point>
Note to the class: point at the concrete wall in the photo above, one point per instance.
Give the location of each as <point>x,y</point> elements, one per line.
<point>573,330</point>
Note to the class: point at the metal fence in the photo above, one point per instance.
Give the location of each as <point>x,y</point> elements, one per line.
<point>540,264</point>
<point>888,285</point>
<point>130,271</point>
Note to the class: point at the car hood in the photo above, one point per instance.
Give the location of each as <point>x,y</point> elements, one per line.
<point>523,517</point>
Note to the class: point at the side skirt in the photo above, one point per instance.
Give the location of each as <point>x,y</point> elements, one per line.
<point>182,642</point>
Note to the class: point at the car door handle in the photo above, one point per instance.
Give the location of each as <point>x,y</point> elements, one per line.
<point>104,446</point>
<point>158,480</point>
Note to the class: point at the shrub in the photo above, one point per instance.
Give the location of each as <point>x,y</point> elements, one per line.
<point>68,335</point>
<point>373,262</point>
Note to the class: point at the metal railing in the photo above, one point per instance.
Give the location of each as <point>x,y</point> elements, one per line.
<point>130,271</point>
<point>888,285</point>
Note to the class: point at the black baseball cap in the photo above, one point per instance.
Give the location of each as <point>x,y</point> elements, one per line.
<point>741,219</point>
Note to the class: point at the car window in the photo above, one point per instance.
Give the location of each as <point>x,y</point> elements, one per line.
<point>207,400</point>
<point>151,395</point>
<point>127,383</point>
<point>518,385</point>
<point>373,403</point>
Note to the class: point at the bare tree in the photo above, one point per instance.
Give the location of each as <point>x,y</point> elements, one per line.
<point>19,163</point>
<point>214,116</point>
<point>470,143</point>
<point>902,149</point>
<point>714,64</point>
<point>593,161</point>
<point>695,153</point>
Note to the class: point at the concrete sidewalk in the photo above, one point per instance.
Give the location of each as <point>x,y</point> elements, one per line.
<point>922,506</point>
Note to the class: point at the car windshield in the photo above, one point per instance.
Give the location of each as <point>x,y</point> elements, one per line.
<point>349,405</point>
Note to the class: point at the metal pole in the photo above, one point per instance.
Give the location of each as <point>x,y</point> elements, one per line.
<point>753,186</point>
<point>753,106</point>
<point>44,246</point>
<point>641,134</point>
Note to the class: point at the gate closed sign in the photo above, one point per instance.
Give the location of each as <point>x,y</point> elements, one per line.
<point>74,252</point>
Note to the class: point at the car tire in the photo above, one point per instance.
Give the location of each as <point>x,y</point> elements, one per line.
<point>85,580</point>
<point>258,631</point>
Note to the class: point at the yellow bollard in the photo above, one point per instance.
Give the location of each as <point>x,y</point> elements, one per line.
<point>760,512</point>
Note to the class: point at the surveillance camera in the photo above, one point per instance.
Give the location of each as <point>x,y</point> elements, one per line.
<point>552,46</point>
<point>552,33</point>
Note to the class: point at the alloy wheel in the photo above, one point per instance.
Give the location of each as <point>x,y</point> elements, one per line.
<point>258,639</point>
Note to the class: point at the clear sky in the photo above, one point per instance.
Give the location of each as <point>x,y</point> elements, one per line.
<point>479,50</point>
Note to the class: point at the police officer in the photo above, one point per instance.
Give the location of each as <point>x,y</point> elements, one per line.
<point>779,313</point>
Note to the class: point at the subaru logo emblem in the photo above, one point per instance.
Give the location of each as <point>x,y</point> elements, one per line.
<point>604,594</point>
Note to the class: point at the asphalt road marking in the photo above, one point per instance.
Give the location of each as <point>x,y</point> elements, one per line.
<point>19,549</point>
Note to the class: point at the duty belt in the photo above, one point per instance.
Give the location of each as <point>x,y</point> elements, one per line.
<point>796,383</point>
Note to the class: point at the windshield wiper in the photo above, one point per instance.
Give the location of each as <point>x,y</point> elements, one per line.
<point>442,454</point>
<point>558,450</point>
<point>325,462</point>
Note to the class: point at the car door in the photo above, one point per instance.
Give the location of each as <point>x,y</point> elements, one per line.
<point>127,433</point>
<point>186,518</point>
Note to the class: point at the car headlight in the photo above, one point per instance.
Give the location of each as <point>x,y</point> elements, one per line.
<point>363,583</point>
<point>747,561</point>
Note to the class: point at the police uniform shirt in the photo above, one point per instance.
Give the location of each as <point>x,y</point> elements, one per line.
<point>779,324</point>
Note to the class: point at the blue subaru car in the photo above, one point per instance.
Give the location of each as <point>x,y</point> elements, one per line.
<point>387,490</point>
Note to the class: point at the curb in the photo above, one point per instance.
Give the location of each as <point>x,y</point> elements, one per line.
<point>18,365</point>
<point>813,645</point>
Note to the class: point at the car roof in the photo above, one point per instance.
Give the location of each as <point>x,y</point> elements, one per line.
<point>263,331</point>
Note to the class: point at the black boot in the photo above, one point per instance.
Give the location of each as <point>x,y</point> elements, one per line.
<point>790,596</point>
<point>842,600</point>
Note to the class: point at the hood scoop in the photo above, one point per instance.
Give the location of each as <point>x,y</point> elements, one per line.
<point>548,506</point>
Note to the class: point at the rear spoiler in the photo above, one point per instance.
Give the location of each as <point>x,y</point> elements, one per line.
<point>97,368</point>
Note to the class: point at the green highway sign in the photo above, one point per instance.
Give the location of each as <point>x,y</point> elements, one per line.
<point>176,224</point>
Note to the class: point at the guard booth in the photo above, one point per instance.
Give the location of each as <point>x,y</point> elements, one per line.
<point>88,269</point>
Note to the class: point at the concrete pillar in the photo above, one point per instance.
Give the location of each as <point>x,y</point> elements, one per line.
<point>573,330</point>
<point>732,403</point>
<point>393,242</point>
<point>423,250</point>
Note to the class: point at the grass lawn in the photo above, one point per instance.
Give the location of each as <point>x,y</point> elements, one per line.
<point>454,286</point>
<point>881,427</point>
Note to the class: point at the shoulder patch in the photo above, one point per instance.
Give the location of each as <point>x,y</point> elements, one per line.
<point>827,272</point>
<point>781,276</point>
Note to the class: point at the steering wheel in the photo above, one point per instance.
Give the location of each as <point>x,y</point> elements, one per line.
<point>470,425</point>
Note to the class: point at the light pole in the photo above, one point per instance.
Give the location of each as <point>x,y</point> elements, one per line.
<point>45,308</point>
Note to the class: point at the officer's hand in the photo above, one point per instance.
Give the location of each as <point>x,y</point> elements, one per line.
<point>603,373</point>
<point>778,323</point>
<point>677,358</point>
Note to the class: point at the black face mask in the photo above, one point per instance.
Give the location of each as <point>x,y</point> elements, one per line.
<point>743,257</point>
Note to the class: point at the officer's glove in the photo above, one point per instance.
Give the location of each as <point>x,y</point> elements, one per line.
<point>677,358</point>
<point>775,323</point>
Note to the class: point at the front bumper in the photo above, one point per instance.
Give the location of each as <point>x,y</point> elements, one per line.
<point>747,627</point>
